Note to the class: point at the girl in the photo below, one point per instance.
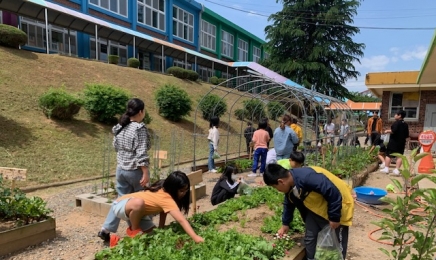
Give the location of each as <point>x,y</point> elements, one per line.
<point>213,138</point>
<point>225,188</point>
<point>260,140</point>
<point>131,142</point>
<point>165,196</point>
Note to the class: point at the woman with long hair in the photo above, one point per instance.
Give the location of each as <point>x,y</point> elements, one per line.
<point>226,188</point>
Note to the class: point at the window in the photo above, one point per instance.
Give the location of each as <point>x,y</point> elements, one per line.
<point>242,50</point>
<point>407,101</point>
<point>158,61</point>
<point>265,56</point>
<point>181,64</point>
<point>109,48</point>
<point>227,44</point>
<point>115,6</point>
<point>183,24</point>
<point>152,13</point>
<point>205,73</point>
<point>256,54</point>
<point>208,35</point>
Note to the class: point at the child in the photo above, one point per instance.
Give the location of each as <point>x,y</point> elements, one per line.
<point>343,132</point>
<point>355,142</point>
<point>378,141</point>
<point>165,196</point>
<point>213,138</point>
<point>225,188</point>
<point>321,197</point>
<point>260,139</point>
<point>296,160</point>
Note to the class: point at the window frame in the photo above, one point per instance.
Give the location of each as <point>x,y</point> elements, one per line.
<point>142,4</point>
<point>228,44</point>
<point>208,34</point>
<point>391,115</point>
<point>242,50</point>
<point>109,6</point>
<point>179,21</point>
<point>256,58</point>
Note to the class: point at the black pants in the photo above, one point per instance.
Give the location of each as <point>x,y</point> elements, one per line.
<point>314,224</point>
<point>248,146</point>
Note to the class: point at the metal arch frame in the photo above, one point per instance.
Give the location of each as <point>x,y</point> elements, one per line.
<point>283,93</point>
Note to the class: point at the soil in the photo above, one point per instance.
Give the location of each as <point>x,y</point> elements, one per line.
<point>77,230</point>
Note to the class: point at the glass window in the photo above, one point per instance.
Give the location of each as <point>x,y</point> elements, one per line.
<point>185,24</point>
<point>109,48</point>
<point>256,54</point>
<point>116,6</point>
<point>181,64</point>
<point>208,35</point>
<point>242,50</point>
<point>406,102</point>
<point>154,11</point>
<point>227,44</point>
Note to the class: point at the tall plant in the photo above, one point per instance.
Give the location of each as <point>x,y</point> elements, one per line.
<point>402,216</point>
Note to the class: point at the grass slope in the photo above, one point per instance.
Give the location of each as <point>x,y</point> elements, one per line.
<point>63,150</point>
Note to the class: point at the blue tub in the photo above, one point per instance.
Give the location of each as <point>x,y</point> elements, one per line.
<point>369,195</point>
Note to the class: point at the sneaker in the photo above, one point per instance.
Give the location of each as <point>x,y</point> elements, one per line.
<point>385,170</point>
<point>396,171</point>
<point>382,166</point>
<point>133,233</point>
<point>213,171</point>
<point>252,174</point>
<point>104,236</point>
<point>114,240</point>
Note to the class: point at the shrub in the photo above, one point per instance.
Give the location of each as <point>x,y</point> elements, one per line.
<point>240,113</point>
<point>212,105</point>
<point>214,80</point>
<point>255,109</point>
<point>147,118</point>
<point>221,80</point>
<point>59,104</point>
<point>192,75</point>
<point>178,72</point>
<point>173,102</point>
<point>275,109</point>
<point>133,63</point>
<point>104,102</point>
<point>113,59</point>
<point>11,36</point>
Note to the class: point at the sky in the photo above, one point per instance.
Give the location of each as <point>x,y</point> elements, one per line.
<point>386,49</point>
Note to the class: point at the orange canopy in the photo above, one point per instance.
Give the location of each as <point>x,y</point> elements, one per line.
<point>357,105</point>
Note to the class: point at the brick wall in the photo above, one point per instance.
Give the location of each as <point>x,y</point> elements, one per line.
<point>108,18</point>
<point>151,33</point>
<point>427,97</point>
<point>188,46</point>
<point>68,4</point>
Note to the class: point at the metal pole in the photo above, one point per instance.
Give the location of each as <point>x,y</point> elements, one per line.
<point>186,60</point>
<point>195,63</point>
<point>163,60</point>
<point>134,45</point>
<point>69,42</point>
<point>96,42</point>
<point>227,77</point>
<point>213,64</point>
<point>46,30</point>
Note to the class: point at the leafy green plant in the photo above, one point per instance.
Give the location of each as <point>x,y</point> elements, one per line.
<point>255,109</point>
<point>113,59</point>
<point>212,105</point>
<point>192,75</point>
<point>147,119</point>
<point>243,164</point>
<point>396,226</point>
<point>178,72</point>
<point>133,63</point>
<point>104,102</point>
<point>327,254</point>
<point>173,102</point>
<point>240,113</point>
<point>11,36</point>
<point>214,80</point>
<point>275,109</point>
<point>58,103</point>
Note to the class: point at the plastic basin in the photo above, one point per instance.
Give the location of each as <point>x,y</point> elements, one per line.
<point>369,195</point>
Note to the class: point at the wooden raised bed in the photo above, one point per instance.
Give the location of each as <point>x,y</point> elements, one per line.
<point>361,177</point>
<point>19,238</point>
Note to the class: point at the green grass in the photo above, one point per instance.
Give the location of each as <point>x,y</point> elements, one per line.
<point>64,150</point>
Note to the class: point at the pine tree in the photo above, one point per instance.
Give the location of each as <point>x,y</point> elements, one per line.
<point>310,42</point>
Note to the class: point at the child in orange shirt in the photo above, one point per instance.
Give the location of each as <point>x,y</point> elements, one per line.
<point>260,140</point>
<point>165,196</point>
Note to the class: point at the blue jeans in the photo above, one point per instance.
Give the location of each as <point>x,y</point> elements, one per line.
<point>211,161</point>
<point>260,152</point>
<point>127,182</point>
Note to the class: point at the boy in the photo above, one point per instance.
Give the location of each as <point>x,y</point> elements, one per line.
<point>343,132</point>
<point>296,160</point>
<point>378,141</point>
<point>321,197</point>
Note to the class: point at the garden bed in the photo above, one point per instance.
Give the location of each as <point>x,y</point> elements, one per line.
<point>21,237</point>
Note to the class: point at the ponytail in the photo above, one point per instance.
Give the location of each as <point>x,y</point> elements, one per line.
<point>133,107</point>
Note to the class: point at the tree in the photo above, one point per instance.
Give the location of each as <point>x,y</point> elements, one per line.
<point>359,97</point>
<point>310,42</point>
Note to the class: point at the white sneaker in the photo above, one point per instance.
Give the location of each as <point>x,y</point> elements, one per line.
<point>385,170</point>
<point>382,166</point>
<point>252,174</point>
<point>213,171</point>
<point>396,171</point>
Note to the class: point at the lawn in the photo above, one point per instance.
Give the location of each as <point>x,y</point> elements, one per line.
<point>63,150</point>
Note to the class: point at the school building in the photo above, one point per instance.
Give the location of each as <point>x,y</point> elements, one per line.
<point>160,33</point>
